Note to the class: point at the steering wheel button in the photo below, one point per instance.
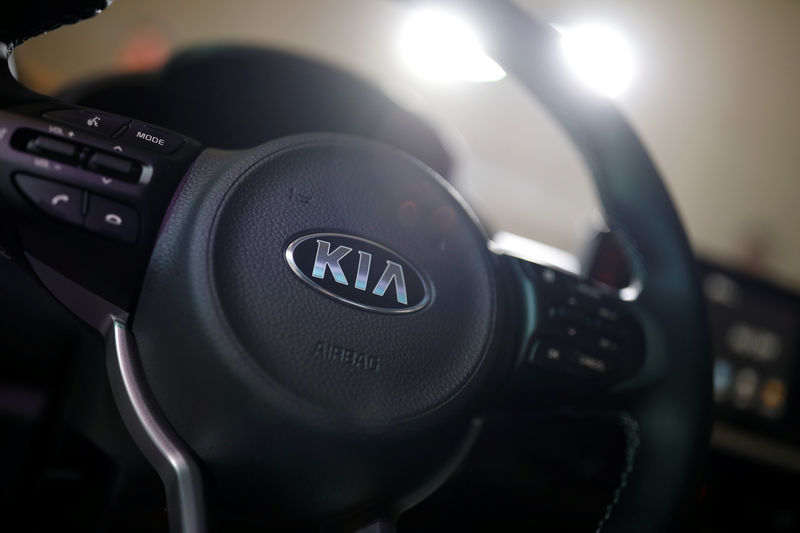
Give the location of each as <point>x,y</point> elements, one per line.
<point>156,139</point>
<point>94,121</point>
<point>606,344</point>
<point>607,314</point>
<point>53,198</point>
<point>54,147</point>
<point>551,354</point>
<point>589,290</point>
<point>574,332</point>
<point>592,365</point>
<point>116,166</point>
<point>573,315</point>
<point>112,219</point>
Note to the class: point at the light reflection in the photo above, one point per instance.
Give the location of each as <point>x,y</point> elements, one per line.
<point>440,46</point>
<point>599,56</point>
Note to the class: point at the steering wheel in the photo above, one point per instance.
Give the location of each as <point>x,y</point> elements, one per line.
<point>319,324</point>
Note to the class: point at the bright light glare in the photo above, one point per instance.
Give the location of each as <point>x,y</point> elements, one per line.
<point>599,56</point>
<point>441,47</point>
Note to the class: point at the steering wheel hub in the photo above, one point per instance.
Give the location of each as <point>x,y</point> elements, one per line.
<point>322,284</point>
<point>374,361</point>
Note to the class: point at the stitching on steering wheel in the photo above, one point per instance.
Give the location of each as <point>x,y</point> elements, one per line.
<point>630,428</point>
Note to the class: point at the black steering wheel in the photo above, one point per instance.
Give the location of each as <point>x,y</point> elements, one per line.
<point>319,324</point>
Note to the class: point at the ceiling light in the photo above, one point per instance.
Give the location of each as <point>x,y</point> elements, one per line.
<point>442,47</point>
<point>599,56</point>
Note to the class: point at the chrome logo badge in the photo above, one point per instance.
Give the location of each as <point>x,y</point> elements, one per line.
<point>358,272</point>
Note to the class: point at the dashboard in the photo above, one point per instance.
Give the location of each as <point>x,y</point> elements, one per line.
<point>755,334</point>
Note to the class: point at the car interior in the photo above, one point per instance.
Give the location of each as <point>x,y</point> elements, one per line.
<point>399,265</point>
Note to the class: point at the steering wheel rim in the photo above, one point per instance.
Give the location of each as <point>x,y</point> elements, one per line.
<point>636,203</point>
<point>666,408</point>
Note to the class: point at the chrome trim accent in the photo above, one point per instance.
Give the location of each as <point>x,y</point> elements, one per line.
<point>426,283</point>
<point>152,433</point>
<point>506,243</point>
<point>392,272</point>
<point>362,276</point>
<point>756,446</point>
<point>327,260</point>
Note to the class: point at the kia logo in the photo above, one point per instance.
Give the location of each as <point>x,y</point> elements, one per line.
<point>358,272</point>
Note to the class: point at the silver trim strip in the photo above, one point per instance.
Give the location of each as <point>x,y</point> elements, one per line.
<point>506,243</point>
<point>755,446</point>
<point>152,433</point>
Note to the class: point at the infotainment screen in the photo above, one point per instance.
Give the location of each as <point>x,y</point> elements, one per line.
<point>754,328</point>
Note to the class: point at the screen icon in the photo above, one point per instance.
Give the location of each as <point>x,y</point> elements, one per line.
<point>723,378</point>
<point>744,387</point>
<point>773,396</point>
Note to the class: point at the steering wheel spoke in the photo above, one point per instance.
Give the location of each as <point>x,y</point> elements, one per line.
<point>153,434</point>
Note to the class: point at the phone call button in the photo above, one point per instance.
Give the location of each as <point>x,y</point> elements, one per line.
<point>112,219</point>
<point>55,199</point>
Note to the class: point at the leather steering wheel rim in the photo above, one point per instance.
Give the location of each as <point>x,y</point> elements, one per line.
<point>673,417</point>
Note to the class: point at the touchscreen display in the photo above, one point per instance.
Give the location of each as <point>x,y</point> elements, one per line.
<point>754,330</point>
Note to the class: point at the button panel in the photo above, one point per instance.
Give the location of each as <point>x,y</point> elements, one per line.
<point>118,192</point>
<point>95,213</point>
<point>584,329</point>
<point>108,174</point>
<point>107,164</point>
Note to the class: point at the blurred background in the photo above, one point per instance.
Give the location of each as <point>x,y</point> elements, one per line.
<point>710,85</point>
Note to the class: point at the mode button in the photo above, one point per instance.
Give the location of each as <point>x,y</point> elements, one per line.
<point>146,136</point>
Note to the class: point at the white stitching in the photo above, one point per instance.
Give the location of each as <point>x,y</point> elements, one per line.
<point>630,428</point>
